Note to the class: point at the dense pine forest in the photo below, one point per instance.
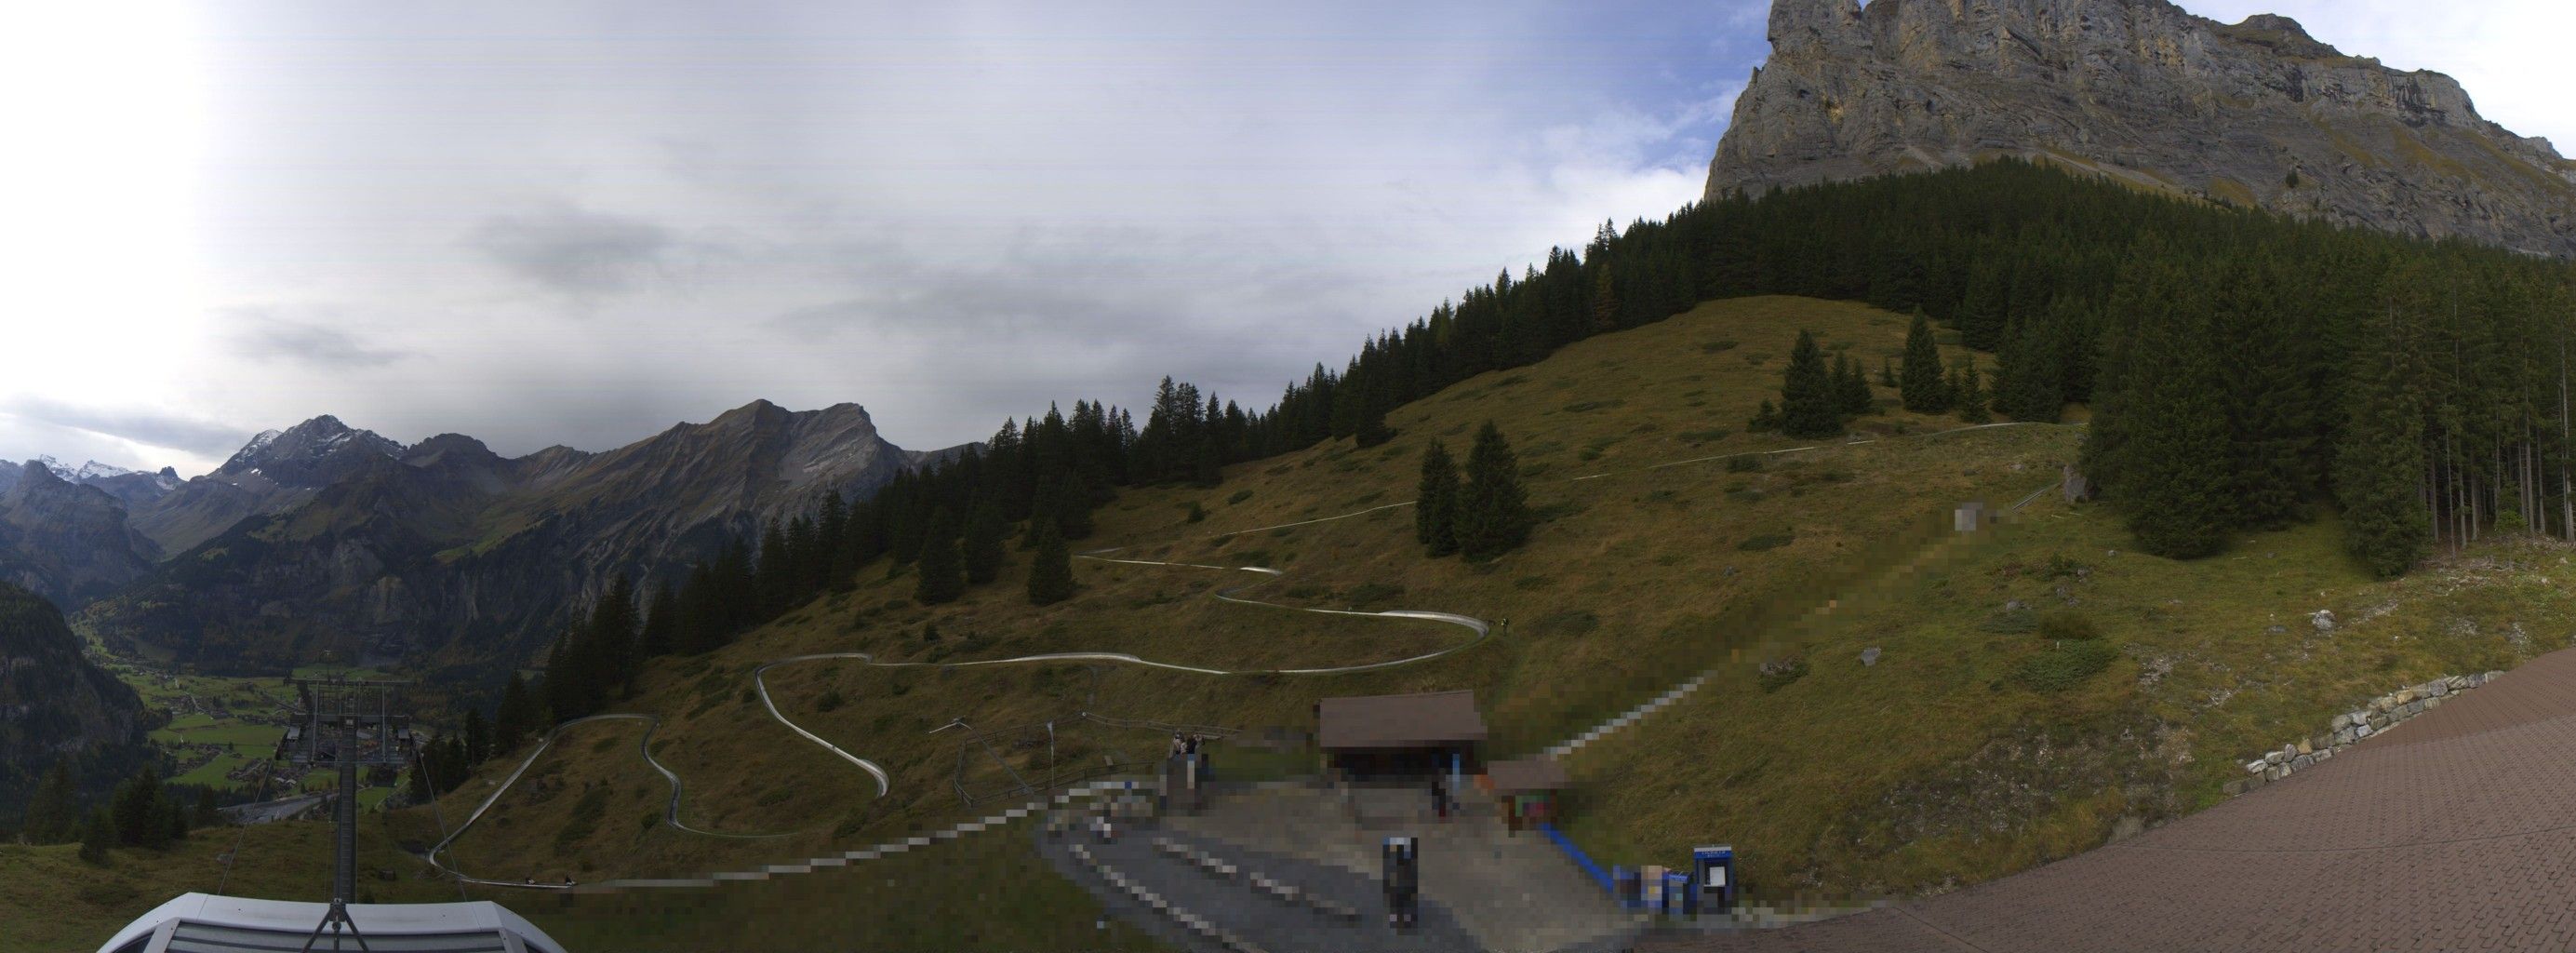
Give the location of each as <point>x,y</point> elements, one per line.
<point>2244,370</point>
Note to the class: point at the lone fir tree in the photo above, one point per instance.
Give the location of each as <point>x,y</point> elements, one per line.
<point>1925,388</point>
<point>1493,512</point>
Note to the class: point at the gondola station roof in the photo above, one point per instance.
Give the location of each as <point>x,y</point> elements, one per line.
<point>206,923</point>
<point>1425,720</point>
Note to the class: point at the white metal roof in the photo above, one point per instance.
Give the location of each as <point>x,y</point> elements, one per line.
<point>206,923</point>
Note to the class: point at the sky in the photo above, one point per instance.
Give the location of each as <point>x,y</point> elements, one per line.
<point>580,223</point>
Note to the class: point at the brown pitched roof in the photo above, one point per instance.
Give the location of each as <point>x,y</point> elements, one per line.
<point>1534,774</point>
<point>1398,721</point>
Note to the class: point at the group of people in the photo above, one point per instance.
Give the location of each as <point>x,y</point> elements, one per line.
<point>1189,745</point>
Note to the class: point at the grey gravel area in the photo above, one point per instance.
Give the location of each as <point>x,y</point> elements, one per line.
<point>1265,921</point>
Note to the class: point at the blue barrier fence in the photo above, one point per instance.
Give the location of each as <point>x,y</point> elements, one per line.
<point>1580,858</point>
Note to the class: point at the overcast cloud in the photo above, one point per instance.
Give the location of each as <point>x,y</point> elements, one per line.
<point>580,223</point>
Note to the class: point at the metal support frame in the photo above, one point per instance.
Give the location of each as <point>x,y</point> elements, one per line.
<point>347,724</point>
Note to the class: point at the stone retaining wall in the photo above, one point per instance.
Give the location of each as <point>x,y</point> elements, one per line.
<point>2381,714</point>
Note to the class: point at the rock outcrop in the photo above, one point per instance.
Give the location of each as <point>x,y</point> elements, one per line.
<point>2256,113</point>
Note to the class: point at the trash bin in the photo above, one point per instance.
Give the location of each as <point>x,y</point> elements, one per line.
<point>1403,865</point>
<point>1624,883</point>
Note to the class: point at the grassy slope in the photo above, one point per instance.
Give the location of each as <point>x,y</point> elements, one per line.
<point>1935,767</point>
<point>1635,581</point>
<point>1905,775</point>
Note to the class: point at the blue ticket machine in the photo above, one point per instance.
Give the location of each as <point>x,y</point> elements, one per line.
<point>1679,899</point>
<point>1403,864</point>
<point>1625,885</point>
<point>1713,877</point>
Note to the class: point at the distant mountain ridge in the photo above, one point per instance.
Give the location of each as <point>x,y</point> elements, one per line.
<point>322,535</point>
<point>2257,113</point>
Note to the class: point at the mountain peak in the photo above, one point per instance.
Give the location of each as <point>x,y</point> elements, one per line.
<point>2257,114</point>
<point>311,453</point>
<point>2274,21</point>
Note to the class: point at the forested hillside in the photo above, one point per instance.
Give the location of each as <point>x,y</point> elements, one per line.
<point>2244,368</point>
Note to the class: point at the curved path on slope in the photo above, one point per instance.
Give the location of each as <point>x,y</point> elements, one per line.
<point>883,781</point>
<point>878,773</point>
<point>2453,831</point>
<point>643,745</point>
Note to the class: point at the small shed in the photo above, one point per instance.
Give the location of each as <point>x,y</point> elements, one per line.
<point>1399,736</point>
<point>1524,790</point>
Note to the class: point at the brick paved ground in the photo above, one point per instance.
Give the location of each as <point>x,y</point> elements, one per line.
<point>2455,831</point>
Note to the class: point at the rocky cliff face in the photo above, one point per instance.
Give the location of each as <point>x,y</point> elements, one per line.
<point>53,702</point>
<point>66,541</point>
<point>447,550</point>
<point>2255,113</point>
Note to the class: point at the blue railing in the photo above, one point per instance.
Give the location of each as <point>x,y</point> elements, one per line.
<point>1580,858</point>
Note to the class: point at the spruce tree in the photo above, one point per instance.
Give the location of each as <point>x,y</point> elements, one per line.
<point>1887,373</point>
<point>208,813</point>
<point>1435,510</point>
<point>942,567</point>
<point>97,834</point>
<point>2174,483</point>
<point>610,644</point>
<point>478,736</point>
<point>1924,386</point>
<point>1764,420</point>
<point>416,781</point>
<point>2379,465</point>
<point>1605,300</point>
<point>565,682</point>
<point>1373,432</point>
<point>516,717</point>
<point>911,525</point>
<point>1051,571</point>
<point>142,817</point>
<point>54,810</point>
<point>1972,399</point>
<point>2028,380</point>
<point>1851,388</point>
<point>1807,401</point>
<point>1073,510</point>
<point>982,547</point>
<point>1493,513</point>
<point>660,633</point>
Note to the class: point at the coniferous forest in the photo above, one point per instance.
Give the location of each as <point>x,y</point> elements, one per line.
<point>2245,371</point>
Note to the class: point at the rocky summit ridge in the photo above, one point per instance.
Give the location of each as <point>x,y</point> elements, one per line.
<point>2256,113</point>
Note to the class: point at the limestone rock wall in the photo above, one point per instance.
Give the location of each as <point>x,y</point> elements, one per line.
<point>2255,113</point>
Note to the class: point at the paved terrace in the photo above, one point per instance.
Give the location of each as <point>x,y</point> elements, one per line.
<point>2455,831</point>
